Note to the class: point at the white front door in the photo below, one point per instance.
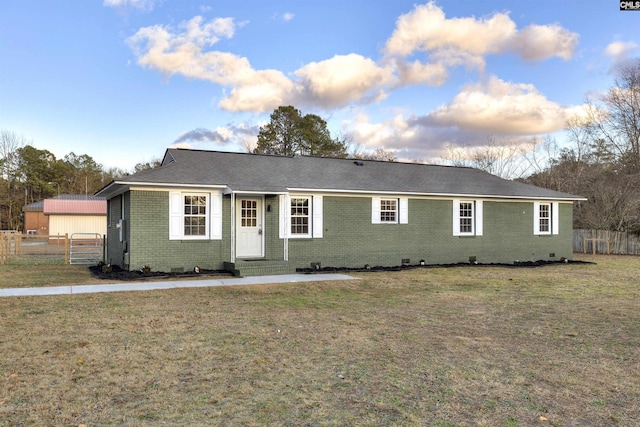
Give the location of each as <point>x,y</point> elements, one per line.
<point>249,227</point>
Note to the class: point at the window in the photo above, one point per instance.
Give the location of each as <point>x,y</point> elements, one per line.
<point>195,216</point>
<point>300,216</point>
<point>389,210</point>
<point>249,213</point>
<point>545,218</point>
<point>544,210</point>
<point>467,217</point>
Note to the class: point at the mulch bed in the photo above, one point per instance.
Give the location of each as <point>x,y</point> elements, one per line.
<point>116,273</point>
<point>518,264</point>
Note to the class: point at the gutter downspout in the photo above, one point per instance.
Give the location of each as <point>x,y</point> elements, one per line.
<point>286,227</point>
<point>233,227</point>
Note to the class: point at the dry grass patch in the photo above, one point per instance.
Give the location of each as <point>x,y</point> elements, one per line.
<point>27,275</point>
<point>485,346</point>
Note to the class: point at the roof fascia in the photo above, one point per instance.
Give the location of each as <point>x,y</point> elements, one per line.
<point>112,189</point>
<point>452,195</point>
<point>138,185</point>
<point>257,192</point>
<point>118,187</point>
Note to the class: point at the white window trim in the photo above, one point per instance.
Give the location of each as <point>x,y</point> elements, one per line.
<point>315,217</point>
<point>402,210</point>
<point>309,218</point>
<point>554,218</point>
<point>213,228</point>
<point>477,217</point>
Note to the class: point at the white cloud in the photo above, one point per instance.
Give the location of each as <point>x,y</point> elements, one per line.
<point>146,5</point>
<point>620,49</point>
<point>501,107</point>
<point>426,28</point>
<point>512,112</point>
<point>538,42</point>
<point>259,91</point>
<point>448,42</point>
<point>620,53</point>
<point>288,16</point>
<point>407,139</point>
<point>190,50</point>
<point>330,83</point>
<point>343,79</point>
<point>182,52</point>
<point>185,145</point>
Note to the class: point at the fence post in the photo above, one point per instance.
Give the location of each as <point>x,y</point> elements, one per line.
<point>18,244</point>
<point>66,248</point>
<point>2,248</point>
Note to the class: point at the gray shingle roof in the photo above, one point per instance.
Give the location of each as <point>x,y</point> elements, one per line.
<point>271,174</point>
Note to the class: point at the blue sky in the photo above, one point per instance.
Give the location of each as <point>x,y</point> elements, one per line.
<point>122,80</point>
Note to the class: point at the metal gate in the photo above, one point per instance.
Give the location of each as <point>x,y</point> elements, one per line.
<point>86,248</point>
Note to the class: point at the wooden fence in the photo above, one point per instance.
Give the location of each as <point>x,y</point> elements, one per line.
<point>604,241</point>
<point>16,245</point>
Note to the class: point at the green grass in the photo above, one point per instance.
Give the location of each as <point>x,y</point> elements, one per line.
<point>466,346</point>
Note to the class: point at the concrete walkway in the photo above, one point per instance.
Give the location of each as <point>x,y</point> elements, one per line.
<point>149,286</point>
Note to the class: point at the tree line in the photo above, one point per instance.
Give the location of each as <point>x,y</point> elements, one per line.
<point>28,174</point>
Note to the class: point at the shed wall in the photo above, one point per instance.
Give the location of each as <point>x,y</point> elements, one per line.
<point>70,224</point>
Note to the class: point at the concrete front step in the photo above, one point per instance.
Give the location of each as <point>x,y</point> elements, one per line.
<point>243,268</point>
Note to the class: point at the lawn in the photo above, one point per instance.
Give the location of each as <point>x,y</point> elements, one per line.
<point>462,346</point>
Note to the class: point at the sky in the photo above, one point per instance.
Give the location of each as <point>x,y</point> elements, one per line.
<point>123,80</point>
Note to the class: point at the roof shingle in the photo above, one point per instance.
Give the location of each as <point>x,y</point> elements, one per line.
<point>251,172</point>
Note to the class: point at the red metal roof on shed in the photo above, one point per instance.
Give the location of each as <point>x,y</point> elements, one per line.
<point>75,207</point>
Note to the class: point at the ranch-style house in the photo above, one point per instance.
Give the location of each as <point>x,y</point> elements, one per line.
<point>258,214</point>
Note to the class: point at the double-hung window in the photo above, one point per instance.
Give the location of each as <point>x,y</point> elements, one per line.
<point>387,210</point>
<point>195,216</point>
<point>300,216</point>
<point>467,217</point>
<point>545,218</point>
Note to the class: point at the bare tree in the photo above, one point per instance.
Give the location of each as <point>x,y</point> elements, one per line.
<point>499,157</point>
<point>613,123</point>
<point>358,151</point>
<point>10,200</point>
<point>539,158</point>
<point>10,142</point>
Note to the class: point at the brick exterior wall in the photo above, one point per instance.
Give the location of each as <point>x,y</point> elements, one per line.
<point>150,244</point>
<point>37,221</point>
<point>349,237</point>
<point>351,240</point>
